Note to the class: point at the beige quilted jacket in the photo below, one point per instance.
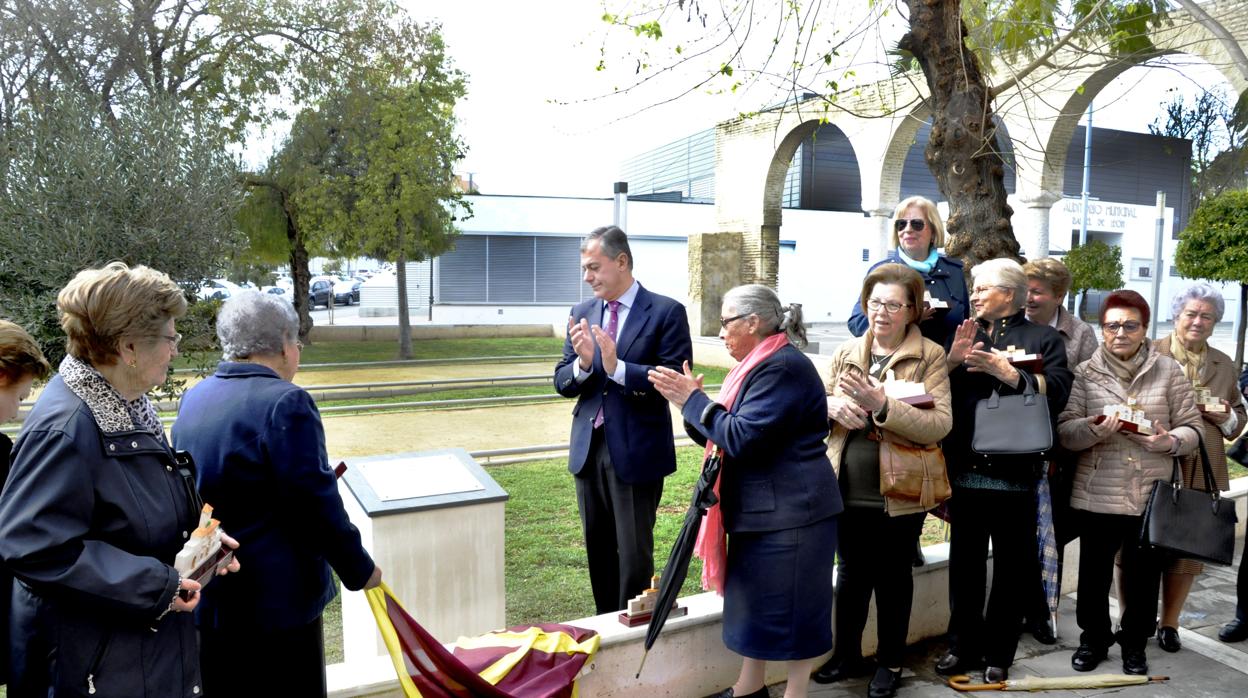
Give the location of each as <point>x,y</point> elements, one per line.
<point>917,359</point>
<point>1115,476</point>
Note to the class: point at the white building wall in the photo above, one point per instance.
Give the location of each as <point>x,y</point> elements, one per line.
<point>821,254</point>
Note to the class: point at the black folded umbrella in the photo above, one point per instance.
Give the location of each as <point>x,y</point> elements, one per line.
<point>677,567</point>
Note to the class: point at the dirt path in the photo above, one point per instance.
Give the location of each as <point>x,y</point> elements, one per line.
<point>473,430</point>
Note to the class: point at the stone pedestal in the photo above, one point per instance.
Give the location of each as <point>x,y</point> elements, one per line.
<point>714,268</point>
<point>433,521</point>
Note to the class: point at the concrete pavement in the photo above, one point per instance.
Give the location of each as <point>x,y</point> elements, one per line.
<point>1205,667</point>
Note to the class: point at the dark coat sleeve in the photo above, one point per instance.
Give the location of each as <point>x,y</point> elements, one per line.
<point>565,377</point>
<point>46,517</point>
<point>296,442</point>
<point>751,429</point>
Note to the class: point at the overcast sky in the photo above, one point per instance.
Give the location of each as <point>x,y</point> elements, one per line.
<point>535,121</point>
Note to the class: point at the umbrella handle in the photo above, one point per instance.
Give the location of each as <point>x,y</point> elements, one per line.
<point>962,682</point>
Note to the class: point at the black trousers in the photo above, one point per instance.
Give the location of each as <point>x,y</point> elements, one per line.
<point>1241,586</point>
<point>1100,538</point>
<point>617,520</point>
<point>876,555</point>
<point>1008,519</point>
<point>255,662</point>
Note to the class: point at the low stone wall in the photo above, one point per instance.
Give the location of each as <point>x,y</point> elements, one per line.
<point>690,659</point>
<point>368,333</point>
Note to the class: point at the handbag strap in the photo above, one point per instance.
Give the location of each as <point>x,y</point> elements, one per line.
<point>1207,467</point>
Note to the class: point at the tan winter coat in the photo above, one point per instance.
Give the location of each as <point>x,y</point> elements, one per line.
<point>1115,476</point>
<point>1080,338</point>
<point>917,359</point>
<point>1220,376</point>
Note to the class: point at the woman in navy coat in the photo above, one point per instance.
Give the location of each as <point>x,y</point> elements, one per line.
<point>21,364</point>
<point>918,235</point>
<point>260,447</point>
<point>778,495</point>
<point>97,506</point>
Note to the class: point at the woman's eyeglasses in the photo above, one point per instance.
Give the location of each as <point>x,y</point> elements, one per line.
<point>917,224</point>
<point>891,308</point>
<point>1130,326</point>
<point>174,339</point>
<point>725,321</point>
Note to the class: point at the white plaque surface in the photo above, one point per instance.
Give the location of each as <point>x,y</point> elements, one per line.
<point>421,476</point>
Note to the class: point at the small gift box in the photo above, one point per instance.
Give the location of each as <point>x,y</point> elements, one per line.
<point>1129,419</point>
<point>202,554</point>
<point>909,392</point>
<point>933,302</point>
<point>1020,359</point>
<point>1206,402</point>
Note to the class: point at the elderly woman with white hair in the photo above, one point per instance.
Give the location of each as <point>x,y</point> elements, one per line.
<point>1196,311</point>
<point>778,497</point>
<point>994,500</point>
<point>260,447</point>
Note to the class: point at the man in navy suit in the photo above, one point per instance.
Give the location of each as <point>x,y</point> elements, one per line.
<point>621,427</point>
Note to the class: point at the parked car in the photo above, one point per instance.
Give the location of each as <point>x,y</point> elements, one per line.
<point>354,285</point>
<point>282,291</point>
<point>321,287</point>
<point>217,289</point>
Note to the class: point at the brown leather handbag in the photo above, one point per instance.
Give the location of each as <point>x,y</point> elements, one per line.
<point>914,473</point>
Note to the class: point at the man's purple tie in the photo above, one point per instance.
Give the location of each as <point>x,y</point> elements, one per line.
<point>612,323</point>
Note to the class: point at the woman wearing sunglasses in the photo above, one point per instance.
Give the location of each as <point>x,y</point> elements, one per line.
<point>918,233</point>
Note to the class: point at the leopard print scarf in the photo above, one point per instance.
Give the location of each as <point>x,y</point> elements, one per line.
<point>111,411</point>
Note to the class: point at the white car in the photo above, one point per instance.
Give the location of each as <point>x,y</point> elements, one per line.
<point>281,291</point>
<point>217,289</point>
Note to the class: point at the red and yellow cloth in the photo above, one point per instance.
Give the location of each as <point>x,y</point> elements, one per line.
<point>534,661</point>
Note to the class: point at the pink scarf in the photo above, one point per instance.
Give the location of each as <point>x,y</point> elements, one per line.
<point>712,543</point>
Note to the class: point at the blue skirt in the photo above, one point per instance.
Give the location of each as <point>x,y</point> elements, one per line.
<point>778,592</point>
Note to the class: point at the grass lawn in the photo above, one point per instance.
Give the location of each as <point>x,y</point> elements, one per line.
<point>712,376</point>
<point>545,554</point>
<point>344,352</point>
<point>347,352</point>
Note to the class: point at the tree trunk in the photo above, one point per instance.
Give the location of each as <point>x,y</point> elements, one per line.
<point>963,152</point>
<point>1243,324</point>
<point>299,273</point>
<point>400,276</point>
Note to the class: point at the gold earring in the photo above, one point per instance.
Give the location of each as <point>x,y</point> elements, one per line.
<point>133,364</point>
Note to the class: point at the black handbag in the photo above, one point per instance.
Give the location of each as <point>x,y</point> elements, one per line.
<point>1190,523</point>
<point>1013,428</point>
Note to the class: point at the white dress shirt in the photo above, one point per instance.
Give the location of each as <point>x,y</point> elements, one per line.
<point>626,303</point>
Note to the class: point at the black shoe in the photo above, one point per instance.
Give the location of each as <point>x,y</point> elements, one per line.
<point>884,684</point>
<point>1134,662</point>
<point>951,664</point>
<point>1042,631</point>
<point>1235,631</point>
<point>840,668</point>
<point>727,693</point>
<point>1086,658</point>
<point>1168,639</point>
<point>996,674</point>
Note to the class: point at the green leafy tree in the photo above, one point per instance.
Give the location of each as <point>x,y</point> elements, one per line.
<point>1219,155</point>
<point>1215,246</point>
<point>384,183</point>
<point>75,194</point>
<point>953,44</point>
<point>234,62</point>
<point>1094,266</point>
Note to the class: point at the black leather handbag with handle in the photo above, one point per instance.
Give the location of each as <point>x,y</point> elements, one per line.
<point>1190,523</point>
<point>1013,429</point>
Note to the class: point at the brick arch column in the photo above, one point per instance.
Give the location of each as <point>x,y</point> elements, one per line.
<point>880,198</point>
